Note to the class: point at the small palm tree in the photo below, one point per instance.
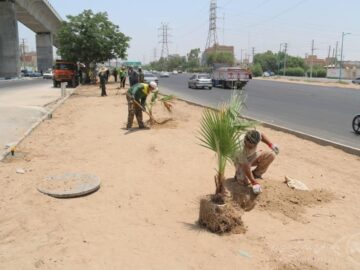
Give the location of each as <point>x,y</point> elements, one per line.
<point>220,131</point>
<point>166,101</point>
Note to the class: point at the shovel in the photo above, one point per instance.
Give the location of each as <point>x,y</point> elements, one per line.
<point>141,107</point>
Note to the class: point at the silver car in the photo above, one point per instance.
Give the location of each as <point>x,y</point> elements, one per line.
<point>200,81</point>
<point>149,77</point>
<point>356,81</point>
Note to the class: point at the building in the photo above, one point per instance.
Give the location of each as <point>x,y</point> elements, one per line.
<point>314,61</point>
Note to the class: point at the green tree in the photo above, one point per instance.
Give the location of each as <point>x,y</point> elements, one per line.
<point>193,59</point>
<point>256,70</point>
<point>90,37</point>
<point>220,58</point>
<point>268,61</point>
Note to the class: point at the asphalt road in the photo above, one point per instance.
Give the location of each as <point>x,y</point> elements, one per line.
<point>21,105</point>
<point>321,111</point>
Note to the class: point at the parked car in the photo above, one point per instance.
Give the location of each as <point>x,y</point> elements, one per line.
<point>34,74</point>
<point>200,81</point>
<point>150,77</point>
<point>164,74</point>
<point>356,81</point>
<point>48,74</point>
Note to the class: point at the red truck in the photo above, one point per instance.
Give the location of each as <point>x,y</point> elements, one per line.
<point>64,71</point>
<point>230,77</point>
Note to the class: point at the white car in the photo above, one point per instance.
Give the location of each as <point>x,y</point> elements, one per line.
<point>164,74</point>
<point>48,74</point>
<point>200,81</point>
<point>149,77</point>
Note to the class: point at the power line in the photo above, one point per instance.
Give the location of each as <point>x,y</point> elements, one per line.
<point>212,35</point>
<point>164,40</point>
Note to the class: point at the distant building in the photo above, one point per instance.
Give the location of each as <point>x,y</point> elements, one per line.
<point>313,60</point>
<point>29,60</point>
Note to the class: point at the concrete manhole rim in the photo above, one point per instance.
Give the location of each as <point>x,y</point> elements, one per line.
<point>92,184</point>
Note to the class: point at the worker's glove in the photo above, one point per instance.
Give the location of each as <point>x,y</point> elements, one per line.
<point>275,148</point>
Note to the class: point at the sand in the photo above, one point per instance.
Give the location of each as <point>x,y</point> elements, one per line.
<point>145,214</point>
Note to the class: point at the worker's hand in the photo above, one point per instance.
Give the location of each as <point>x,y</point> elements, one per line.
<point>275,148</point>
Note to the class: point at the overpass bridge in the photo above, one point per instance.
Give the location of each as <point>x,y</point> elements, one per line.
<point>37,15</point>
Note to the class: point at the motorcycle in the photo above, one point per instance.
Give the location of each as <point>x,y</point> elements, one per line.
<point>356,124</point>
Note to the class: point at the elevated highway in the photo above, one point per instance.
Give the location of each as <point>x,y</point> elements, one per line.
<point>37,15</point>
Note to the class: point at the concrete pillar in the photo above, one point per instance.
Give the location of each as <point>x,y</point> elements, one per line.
<point>9,40</point>
<point>44,51</point>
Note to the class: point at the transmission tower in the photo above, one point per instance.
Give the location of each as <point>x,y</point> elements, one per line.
<point>164,35</point>
<point>212,35</point>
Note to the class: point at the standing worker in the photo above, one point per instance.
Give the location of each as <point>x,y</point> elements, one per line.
<point>141,75</point>
<point>122,74</point>
<point>136,98</point>
<point>115,74</point>
<point>102,76</point>
<point>248,156</point>
<point>133,77</point>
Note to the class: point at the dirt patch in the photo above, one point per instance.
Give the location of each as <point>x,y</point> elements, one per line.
<point>278,197</point>
<point>220,218</point>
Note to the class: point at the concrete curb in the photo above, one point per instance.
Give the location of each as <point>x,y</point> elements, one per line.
<point>35,125</point>
<point>302,135</point>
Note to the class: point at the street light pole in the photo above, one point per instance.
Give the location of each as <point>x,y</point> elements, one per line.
<point>278,73</point>
<point>341,53</point>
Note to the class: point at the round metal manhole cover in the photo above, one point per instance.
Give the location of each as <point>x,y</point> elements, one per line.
<point>69,185</point>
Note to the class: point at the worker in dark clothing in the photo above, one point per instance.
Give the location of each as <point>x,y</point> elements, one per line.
<point>133,77</point>
<point>141,75</point>
<point>115,74</point>
<point>102,76</point>
<point>136,98</point>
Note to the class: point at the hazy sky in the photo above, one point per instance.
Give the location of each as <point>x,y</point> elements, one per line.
<point>262,24</point>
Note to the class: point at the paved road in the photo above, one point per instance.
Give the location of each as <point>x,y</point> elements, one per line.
<point>321,111</point>
<point>21,105</point>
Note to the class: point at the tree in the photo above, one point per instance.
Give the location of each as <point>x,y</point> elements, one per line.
<point>90,37</point>
<point>256,70</point>
<point>220,58</point>
<point>268,61</point>
<point>193,59</point>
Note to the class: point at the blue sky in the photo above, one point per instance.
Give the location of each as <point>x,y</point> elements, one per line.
<point>262,24</point>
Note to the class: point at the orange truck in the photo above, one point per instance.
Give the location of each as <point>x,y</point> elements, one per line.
<point>64,71</point>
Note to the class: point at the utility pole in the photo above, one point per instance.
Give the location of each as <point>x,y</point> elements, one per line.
<point>285,49</point>
<point>241,56</point>
<point>312,58</point>
<point>278,58</point>
<point>336,52</point>
<point>341,53</point>
<point>155,54</point>
<point>253,54</point>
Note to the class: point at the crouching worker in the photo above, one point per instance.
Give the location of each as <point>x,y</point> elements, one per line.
<point>248,156</point>
<point>136,98</point>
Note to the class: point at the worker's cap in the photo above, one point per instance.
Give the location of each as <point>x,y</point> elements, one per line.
<point>153,85</point>
<point>253,136</point>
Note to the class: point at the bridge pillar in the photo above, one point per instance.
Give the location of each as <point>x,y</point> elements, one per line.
<point>9,40</point>
<point>44,51</point>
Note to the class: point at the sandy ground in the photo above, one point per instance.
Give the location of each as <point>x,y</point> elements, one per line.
<point>144,216</point>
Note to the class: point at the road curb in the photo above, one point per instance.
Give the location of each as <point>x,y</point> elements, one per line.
<point>35,125</point>
<point>302,135</point>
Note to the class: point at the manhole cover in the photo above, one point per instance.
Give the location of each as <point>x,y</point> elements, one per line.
<point>69,185</point>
